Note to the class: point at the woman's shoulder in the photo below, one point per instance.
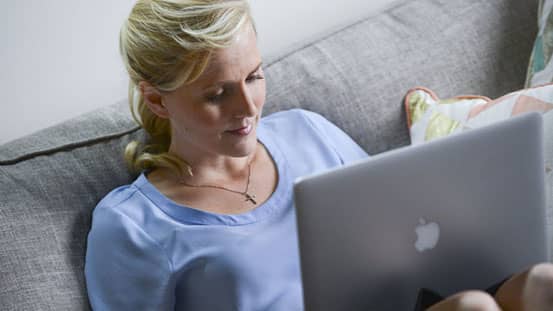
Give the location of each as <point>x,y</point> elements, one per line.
<point>294,121</point>
<point>292,115</point>
<point>117,196</point>
<point>302,132</point>
<point>124,200</point>
<point>124,210</point>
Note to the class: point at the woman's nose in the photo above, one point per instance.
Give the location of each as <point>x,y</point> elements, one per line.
<point>245,105</point>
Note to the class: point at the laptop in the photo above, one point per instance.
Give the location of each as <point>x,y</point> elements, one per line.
<point>462,212</point>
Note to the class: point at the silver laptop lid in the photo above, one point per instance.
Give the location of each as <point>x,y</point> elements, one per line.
<point>463,212</point>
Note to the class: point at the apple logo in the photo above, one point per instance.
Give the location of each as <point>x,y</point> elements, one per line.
<point>427,235</point>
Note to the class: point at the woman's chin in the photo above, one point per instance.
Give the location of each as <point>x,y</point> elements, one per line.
<point>240,144</point>
<point>246,147</point>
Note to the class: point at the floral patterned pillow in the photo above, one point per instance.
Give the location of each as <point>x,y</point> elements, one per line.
<point>430,117</point>
<point>540,69</point>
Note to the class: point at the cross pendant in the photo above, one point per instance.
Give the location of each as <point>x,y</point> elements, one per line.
<point>250,198</point>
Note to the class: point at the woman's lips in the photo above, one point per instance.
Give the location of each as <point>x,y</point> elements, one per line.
<point>243,131</point>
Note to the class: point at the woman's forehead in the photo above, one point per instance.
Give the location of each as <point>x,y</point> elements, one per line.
<point>235,62</point>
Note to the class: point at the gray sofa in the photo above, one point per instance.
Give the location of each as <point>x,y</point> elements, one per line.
<point>50,181</point>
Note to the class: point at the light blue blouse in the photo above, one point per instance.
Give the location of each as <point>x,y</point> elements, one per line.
<point>146,252</point>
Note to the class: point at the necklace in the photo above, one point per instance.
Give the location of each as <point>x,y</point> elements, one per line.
<point>247,196</point>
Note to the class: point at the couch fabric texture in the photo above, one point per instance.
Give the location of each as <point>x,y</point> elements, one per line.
<point>356,77</point>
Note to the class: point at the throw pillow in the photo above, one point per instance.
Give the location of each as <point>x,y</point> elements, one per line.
<point>540,69</point>
<point>429,117</point>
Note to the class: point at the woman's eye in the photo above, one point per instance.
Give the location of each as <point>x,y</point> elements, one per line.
<point>215,97</point>
<point>254,77</point>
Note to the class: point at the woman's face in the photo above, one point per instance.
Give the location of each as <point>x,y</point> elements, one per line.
<point>218,113</point>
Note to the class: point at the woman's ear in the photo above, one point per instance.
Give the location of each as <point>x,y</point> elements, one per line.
<point>153,99</point>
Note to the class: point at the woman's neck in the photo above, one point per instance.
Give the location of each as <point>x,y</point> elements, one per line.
<point>217,168</point>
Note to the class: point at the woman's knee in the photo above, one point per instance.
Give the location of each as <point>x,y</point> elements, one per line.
<point>468,301</point>
<point>539,284</point>
<point>477,301</point>
<point>541,275</point>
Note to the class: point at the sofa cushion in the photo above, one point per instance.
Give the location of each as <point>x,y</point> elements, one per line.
<point>51,181</point>
<point>101,125</point>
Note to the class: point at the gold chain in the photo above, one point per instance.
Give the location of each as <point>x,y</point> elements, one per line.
<point>245,194</point>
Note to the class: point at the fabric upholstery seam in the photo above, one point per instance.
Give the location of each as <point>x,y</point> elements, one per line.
<point>66,147</point>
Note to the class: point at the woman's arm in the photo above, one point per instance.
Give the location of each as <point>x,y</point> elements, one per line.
<point>125,268</point>
<point>344,146</point>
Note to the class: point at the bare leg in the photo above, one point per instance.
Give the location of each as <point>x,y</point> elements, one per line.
<point>529,290</point>
<point>509,295</point>
<point>467,301</point>
<point>538,292</point>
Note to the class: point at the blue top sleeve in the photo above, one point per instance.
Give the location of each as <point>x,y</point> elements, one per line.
<point>131,271</point>
<point>347,149</point>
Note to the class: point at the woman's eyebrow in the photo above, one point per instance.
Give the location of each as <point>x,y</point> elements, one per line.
<point>256,68</point>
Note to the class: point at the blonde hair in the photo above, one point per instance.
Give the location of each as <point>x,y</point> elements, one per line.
<point>168,43</point>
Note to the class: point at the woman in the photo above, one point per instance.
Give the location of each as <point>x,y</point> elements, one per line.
<point>209,224</point>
